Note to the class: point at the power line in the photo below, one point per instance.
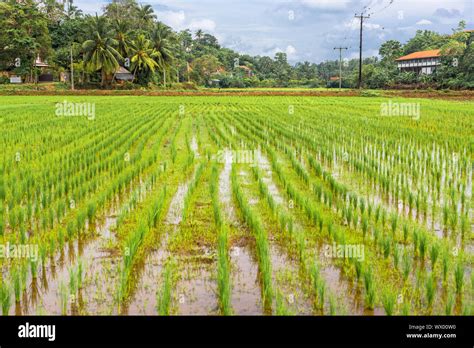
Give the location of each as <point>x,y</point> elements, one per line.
<point>383,8</point>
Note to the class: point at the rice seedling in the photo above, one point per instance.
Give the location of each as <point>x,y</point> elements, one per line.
<point>406,308</point>
<point>389,298</point>
<point>423,244</point>
<point>430,289</point>
<point>394,222</point>
<point>281,308</point>
<point>5,297</point>
<point>358,268</point>
<point>405,232</point>
<point>459,276</point>
<point>434,253</point>
<point>396,256</point>
<point>386,246</point>
<point>449,305</point>
<point>63,298</point>
<point>369,288</point>
<point>17,285</point>
<point>34,268</point>
<point>80,273</point>
<point>406,265</point>
<point>223,273</point>
<point>163,296</point>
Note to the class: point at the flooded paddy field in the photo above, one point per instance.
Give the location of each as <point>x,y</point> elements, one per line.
<point>253,205</point>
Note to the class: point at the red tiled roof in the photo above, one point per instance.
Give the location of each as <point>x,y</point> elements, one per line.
<point>421,54</point>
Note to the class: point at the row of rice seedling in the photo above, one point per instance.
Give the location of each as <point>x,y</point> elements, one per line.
<point>313,215</point>
<point>300,200</point>
<point>223,265</point>
<point>399,188</point>
<point>56,191</point>
<point>191,188</point>
<point>255,224</point>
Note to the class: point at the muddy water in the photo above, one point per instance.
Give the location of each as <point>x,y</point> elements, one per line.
<point>225,190</point>
<point>246,296</point>
<point>143,299</point>
<point>148,279</point>
<point>266,168</point>
<point>101,273</point>
<point>197,288</point>
<point>297,300</point>
<point>246,292</point>
<point>349,295</point>
<point>43,292</point>
<point>175,212</point>
<point>194,147</point>
<point>286,277</point>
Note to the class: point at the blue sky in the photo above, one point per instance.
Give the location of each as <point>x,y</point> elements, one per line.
<point>306,29</point>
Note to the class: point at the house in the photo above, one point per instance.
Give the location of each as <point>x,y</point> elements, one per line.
<point>246,70</point>
<point>123,74</point>
<point>422,62</point>
<point>45,76</point>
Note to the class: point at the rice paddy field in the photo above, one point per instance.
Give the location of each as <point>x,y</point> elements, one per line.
<point>235,206</point>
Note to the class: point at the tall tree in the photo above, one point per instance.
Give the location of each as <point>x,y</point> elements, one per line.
<point>143,55</point>
<point>24,35</point>
<point>121,30</point>
<point>100,53</point>
<point>165,43</point>
<point>146,16</point>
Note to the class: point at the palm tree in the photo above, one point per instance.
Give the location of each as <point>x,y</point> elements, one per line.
<point>164,42</point>
<point>145,16</point>
<point>143,55</point>
<point>72,11</point>
<point>199,34</point>
<point>121,29</point>
<point>99,51</point>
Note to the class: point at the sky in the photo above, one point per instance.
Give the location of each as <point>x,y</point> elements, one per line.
<point>307,30</point>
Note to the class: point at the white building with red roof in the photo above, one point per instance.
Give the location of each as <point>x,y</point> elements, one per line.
<point>422,62</point>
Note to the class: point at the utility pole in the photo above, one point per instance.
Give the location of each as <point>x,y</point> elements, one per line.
<point>340,64</point>
<point>361,17</point>
<point>72,70</point>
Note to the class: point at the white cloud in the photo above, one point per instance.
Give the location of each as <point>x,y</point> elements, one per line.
<point>370,26</point>
<point>204,24</point>
<point>178,21</point>
<point>424,22</point>
<point>175,19</point>
<point>290,50</point>
<point>355,25</point>
<point>326,4</point>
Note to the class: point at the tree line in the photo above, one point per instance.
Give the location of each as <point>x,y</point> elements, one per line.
<point>128,34</point>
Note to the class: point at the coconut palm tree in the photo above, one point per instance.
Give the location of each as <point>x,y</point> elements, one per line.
<point>164,42</point>
<point>143,55</point>
<point>145,16</point>
<point>122,33</point>
<point>99,49</point>
<point>199,34</point>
